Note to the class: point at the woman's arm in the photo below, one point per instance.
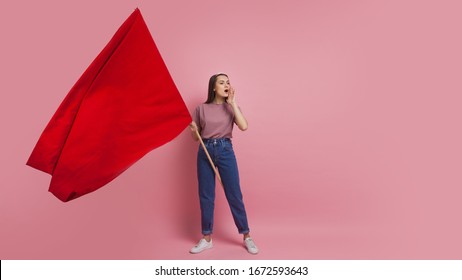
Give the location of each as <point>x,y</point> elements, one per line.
<point>238,116</point>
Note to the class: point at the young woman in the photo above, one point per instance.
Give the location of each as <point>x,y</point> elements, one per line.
<point>214,120</point>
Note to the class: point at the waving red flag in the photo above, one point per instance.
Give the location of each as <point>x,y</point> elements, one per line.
<point>123,106</point>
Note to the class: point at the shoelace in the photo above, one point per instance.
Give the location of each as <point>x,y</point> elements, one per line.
<point>250,243</point>
<point>201,242</point>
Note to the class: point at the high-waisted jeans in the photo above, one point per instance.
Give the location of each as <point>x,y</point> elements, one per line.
<point>222,154</point>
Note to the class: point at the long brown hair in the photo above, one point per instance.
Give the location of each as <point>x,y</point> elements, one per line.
<point>211,92</point>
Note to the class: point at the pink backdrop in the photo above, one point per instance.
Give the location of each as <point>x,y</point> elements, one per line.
<point>354,142</point>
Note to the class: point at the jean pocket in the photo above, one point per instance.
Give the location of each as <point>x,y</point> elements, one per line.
<point>228,146</point>
<point>201,148</point>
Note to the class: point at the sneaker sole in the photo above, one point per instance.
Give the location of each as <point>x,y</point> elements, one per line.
<point>201,250</point>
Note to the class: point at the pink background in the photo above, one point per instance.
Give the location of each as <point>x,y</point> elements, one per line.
<point>354,142</point>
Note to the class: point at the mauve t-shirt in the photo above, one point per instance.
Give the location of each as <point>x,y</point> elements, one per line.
<point>214,120</point>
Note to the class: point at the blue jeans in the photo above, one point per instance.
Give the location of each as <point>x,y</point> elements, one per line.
<point>222,154</point>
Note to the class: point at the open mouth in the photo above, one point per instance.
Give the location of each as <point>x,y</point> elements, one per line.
<point>226,90</point>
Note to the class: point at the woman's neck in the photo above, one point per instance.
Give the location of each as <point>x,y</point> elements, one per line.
<point>218,100</point>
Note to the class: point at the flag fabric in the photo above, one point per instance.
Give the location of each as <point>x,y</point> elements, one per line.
<point>124,105</point>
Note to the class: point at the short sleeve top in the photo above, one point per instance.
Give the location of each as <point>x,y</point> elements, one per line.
<point>214,120</point>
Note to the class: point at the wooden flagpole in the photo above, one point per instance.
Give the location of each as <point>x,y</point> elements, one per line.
<point>210,159</point>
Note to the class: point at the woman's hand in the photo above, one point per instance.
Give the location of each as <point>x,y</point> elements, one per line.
<point>239,118</point>
<point>194,130</point>
<point>193,126</point>
<point>230,100</point>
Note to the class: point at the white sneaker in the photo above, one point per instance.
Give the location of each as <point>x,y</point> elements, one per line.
<point>201,246</point>
<point>250,245</point>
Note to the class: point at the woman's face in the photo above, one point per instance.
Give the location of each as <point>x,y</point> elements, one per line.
<point>222,86</point>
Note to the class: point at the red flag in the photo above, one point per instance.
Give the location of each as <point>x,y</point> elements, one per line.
<point>123,106</point>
